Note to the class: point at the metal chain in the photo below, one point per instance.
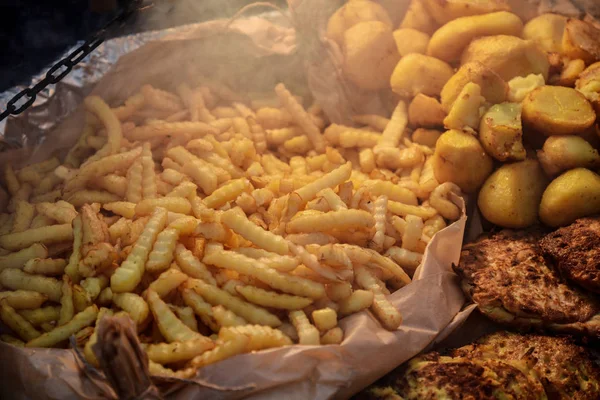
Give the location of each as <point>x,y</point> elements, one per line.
<point>62,68</point>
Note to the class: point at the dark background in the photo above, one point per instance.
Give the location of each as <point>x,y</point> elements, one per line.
<point>33,33</point>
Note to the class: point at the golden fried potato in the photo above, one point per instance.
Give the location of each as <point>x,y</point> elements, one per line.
<point>425,111</point>
<point>561,153</point>
<point>448,42</point>
<point>511,196</point>
<point>466,110</point>
<point>418,73</point>
<point>417,17</point>
<point>370,54</point>
<point>459,158</point>
<point>569,73</point>
<point>508,56</point>
<point>427,137</point>
<point>547,31</point>
<point>444,11</point>
<point>557,110</point>
<point>501,132</point>
<point>588,84</point>
<point>581,40</point>
<point>574,194</point>
<point>519,87</point>
<point>351,14</point>
<point>493,88</point>
<point>410,40</point>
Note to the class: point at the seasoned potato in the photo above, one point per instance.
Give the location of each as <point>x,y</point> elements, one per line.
<point>446,10</point>
<point>417,17</point>
<point>581,40</point>
<point>459,158</point>
<point>519,87</point>
<point>557,110</point>
<point>572,195</point>
<point>508,56</point>
<point>569,74</point>
<point>427,137</point>
<point>493,88</point>
<point>588,84</point>
<point>464,114</point>
<point>410,40</point>
<point>351,14</point>
<point>425,111</point>
<point>417,73</point>
<point>547,31</point>
<point>501,133</point>
<point>511,196</point>
<point>448,42</point>
<point>370,54</point>
<point>561,153</point>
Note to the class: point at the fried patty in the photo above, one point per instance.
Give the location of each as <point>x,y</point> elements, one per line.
<point>575,249</point>
<point>506,275</point>
<point>565,370</point>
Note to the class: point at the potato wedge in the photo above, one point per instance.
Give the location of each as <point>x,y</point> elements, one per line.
<point>444,11</point>
<point>511,196</point>
<point>351,14</point>
<point>557,110</point>
<point>493,88</point>
<point>410,40</point>
<point>418,73</point>
<point>508,56</point>
<point>370,54</point>
<point>581,40</point>
<point>448,42</point>
<point>572,195</point>
<point>417,17</point>
<point>547,31</point>
<point>425,111</point>
<point>561,153</point>
<point>459,158</point>
<point>501,132</point>
<point>465,112</point>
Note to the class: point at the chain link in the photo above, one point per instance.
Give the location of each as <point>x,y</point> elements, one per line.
<point>16,105</point>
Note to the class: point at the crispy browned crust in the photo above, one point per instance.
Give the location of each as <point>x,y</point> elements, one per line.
<point>576,251</point>
<point>565,369</point>
<point>511,282</point>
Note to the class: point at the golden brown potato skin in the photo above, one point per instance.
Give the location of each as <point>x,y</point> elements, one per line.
<point>417,17</point>
<point>572,195</point>
<point>427,137</point>
<point>410,40</point>
<point>425,111</point>
<point>459,158</point>
<point>444,11</point>
<point>351,14</point>
<point>418,73</point>
<point>547,31</point>
<point>557,110</point>
<point>561,153</point>
<point>581,40</point>
<point>501,132</point>
<point>511,196</point>
<point>493,87</point>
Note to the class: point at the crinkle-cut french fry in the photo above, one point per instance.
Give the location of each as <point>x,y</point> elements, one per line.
<point>258,135</point>
<point>281,263</point>
<point>261,337</point>
<point>273,118</point>
<point>427,180</point>
<point>33,173</point>
<point>133,304</point>
<point>298,165</point>
<point>433,226</point>
<point>167,353</point>
<point>46,184</point>
<point>393,191</point>
<point>191,266</point>
<point>277,137</point>
<point>240,125</point>
<point>324,319</point>
<point>403,210</point>
<point>112,183</point>
<point>394,130</point>
<point>156,369</point>
<point>395,158</point>
<point>342,219</point>
<point>19,258</point>
<point>308,334</point>
<point>333,336</point>
<point>297,145</point>
<point>348,137</point>
<point>12,182</point>
<point>173,129</point>
<point>82,197</point>
<point>271,299</point>
<point>12,340</point>
<point>201,308</point>
<point>333,200</point>
<point>337,291</point>
<point>376,122</point>
<point>379,213</point>
<point>17,323</point>
<point>24,212</point>
<point>46,197</point>
<point>330,255</point>
<point>161,255</point>
<point>303,239</point>
<point>329,180</point>
<point>94,285</point>
<point>171,327</point>
<point>216,296</point>
<point>224,317</point>
<point>185,189</point>
<point>60,211</point>
<point>167,281</point>
<point>129,107</point>
<point>412,232</point>
<point>173,204</point>
<point>187,316</point>
<point>310,261</point>
<point>98,107</point>
<point>87,350</point>
<point>45,235</point>
<point>246,202</point>
<point>72,268</point>
<point>237,345</point>
<point>97,142</point>
<point>237,221</point>
<point>148,173</point>
<point>22,194</point>
<point>133,193</point>
<point>387,314</point>
<point>129,274</point>
<point>123,208</point>
<point>40,220</point>
<point>359,300</point>
<point>58,334</point>
<point>45,266</point>
<point>103,166</point>
<point>221,164</point>
<point>39,316</point>
<point>405,258</point>
<point>172,176</point>
<point>301,117</point>
<point>227,192</point>
<point>23,299</point>
<point>67,309</point>
<point>251,267</point>
<point>439,199</point>
<point>81,300</point>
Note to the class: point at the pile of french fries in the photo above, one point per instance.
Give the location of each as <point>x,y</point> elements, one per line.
<point>219,227</point>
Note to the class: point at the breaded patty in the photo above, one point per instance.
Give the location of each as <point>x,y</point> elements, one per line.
<point>575,249</point>
<point>565,370</point>
<point>506,275</point>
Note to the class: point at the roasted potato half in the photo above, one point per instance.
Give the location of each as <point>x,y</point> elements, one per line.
<point>581,40</point>
<point>557,110</point>
<point>444,11</point>
<point>448,42</point>
<point>511,196</point>
<point>501,132</point>
<point>459,158</point>
<point>572,195</point>
<point>508,56</point>
<point>351,14</point>
<point>493,88</point>
<point>417,17</point>
<point>425,111</point>
<point>410,40</point>
<point>418,73</point>
<point>547,31</point>
<point>561,153</point>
